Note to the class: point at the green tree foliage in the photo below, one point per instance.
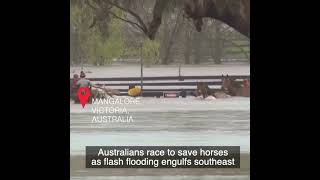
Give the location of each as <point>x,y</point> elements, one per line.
<point>102,32</point>
<point>92,41</point>
<point>150,52</point>
<point>107,49</point>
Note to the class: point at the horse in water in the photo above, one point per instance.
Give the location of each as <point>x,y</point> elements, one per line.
<point>235,88</point>
<point>204,91</point>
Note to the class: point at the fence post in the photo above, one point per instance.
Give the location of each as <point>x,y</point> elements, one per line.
<point>141,69</point>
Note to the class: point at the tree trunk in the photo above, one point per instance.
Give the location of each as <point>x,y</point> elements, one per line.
<point>164,42</point>
<point>235,13</point>
<point>217,43</point>
<point>197,46</point>
<point>174,32</point>
<point>102,61</point>
<point>187,46</point>
<point>187,55</point>
<point>154,25</point>
<point>210,43</point>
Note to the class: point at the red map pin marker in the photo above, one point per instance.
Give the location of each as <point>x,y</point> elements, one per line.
<point>83,95</point>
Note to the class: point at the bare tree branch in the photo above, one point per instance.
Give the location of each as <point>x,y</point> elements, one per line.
<point>90,5</point>
<point>142,25</point>
<point>126,20</point>
<point>157,16</point>
<point>234,13</point>
<point>149,31</point>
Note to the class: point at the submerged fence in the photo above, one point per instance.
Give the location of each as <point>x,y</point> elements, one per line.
<point>158,86</point>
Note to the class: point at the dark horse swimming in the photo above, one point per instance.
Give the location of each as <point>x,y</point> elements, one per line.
<point>204,91</point>
<point>235,88</point>
<point>229,87</point>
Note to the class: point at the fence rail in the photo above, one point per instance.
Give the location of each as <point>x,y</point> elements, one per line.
<point>149,89</point>
<point>160,83</point>
<point>180,78</point>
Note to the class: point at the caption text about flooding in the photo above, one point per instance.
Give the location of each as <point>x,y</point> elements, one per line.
<point>163,156</point>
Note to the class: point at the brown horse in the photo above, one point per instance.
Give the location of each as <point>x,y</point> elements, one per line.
<point>235,88</point>
<point>204,91</point>
<point>246,88</point>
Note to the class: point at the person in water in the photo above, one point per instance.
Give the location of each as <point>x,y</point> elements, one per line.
<point>83,82</point>
<point>73,86</point>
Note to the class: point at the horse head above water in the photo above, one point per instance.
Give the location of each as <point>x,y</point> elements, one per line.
<point>226,83</point>
<point>203,89</point>
<point>246,88</point>
<point>235,88</point>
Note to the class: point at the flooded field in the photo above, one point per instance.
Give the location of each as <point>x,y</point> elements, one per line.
<point>164,121</point>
